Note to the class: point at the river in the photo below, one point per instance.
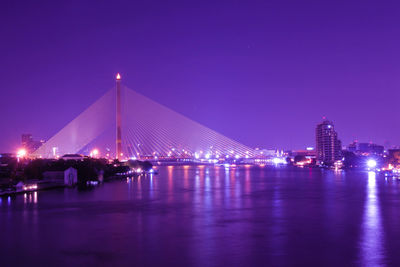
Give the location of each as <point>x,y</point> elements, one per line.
<point>209,216</point>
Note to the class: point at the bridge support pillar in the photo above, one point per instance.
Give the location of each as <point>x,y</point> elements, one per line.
<point>118,139</point>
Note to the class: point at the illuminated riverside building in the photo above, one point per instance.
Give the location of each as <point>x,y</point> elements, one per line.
<point>366,148</point>
<point>328,146</point>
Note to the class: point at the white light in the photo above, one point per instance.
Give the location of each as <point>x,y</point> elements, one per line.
<point>279,161</point>
<point>237,156</point>
<point>94,153</point>
<point>371,163</point>
<point>21,153</point>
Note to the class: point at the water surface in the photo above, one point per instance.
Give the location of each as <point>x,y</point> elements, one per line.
<point>209,216</point>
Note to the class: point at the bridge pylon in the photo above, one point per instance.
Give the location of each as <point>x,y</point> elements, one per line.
<point>118,137</point>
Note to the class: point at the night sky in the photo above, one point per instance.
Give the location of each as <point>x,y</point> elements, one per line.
<point>261,72</point>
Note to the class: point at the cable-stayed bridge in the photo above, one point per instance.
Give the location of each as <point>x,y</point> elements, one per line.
<point>144,128</point>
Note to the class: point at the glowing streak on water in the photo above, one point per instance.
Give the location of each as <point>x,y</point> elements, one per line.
<point>372,233</point>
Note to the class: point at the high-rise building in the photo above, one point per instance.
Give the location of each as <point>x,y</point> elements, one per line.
<point>328,145</point>
<point>369,148</point>
<point>26,140</point>
<point>29,143</point>
<point>366,148</point>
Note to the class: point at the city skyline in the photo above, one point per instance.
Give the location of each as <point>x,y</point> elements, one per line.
<point>229,74</point>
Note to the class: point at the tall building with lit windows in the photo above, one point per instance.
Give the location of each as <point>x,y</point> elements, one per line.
<point>328,146</point>
<point>29,144</point>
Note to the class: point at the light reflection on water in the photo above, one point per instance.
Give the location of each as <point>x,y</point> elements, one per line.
<point>372,243</point>
<point>31,197</point>
<point>208,216</point>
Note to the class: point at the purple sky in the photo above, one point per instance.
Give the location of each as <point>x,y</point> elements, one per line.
<point>260,72</point>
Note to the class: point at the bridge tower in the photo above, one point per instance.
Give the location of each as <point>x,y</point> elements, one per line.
<point>118,138</point>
